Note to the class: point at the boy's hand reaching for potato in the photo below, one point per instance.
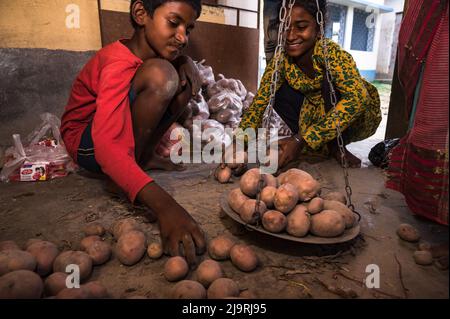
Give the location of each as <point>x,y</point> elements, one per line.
<point>180,233</point>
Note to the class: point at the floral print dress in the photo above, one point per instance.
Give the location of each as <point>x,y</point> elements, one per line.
<point>358,109</point>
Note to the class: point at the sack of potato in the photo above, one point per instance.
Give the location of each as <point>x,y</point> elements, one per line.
<point>230,85</point>
<point>206,73</point>
<point>291,203</point>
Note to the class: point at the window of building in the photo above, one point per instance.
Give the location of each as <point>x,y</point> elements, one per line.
<point>335,23</point>
<point>363,31</point>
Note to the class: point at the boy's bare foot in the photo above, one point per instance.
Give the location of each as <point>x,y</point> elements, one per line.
<point>352,160</point>
<point>158,162</point>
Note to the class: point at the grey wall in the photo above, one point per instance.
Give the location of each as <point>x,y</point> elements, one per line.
<point>33,81</point>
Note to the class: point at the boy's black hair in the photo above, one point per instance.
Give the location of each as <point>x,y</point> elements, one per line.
<point>151,5</point>
<point>308,5</point>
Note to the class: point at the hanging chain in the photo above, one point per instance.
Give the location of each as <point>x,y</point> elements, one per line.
<point>340,140</point>
<point>285,23</point>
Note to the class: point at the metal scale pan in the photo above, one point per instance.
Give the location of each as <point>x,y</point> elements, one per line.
<point>348,235</point>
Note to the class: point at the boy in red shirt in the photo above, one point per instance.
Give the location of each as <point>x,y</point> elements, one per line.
<point>124,100</point>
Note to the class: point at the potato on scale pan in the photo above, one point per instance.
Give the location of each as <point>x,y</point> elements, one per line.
<point>250,180</point>
<point>306,185</point>
<point>306,215</point>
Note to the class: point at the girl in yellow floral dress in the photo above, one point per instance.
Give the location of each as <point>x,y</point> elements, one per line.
<point>302,87</point>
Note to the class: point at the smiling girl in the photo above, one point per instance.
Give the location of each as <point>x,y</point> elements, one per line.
<point>302,92</point>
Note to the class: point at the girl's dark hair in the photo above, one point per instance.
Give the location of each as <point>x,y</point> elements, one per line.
<point>308,5</point>
<point>151,5</point>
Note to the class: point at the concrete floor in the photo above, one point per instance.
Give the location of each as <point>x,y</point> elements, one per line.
<point>58,210</point>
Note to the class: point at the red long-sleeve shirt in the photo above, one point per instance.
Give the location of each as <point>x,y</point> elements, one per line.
<point>100,94</point>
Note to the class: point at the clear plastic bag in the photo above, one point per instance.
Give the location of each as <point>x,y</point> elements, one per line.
<point>225,100</point>
<point>45,156</point>
<point>206,73</point>
<point>225,116</point>
<point>200,106</point>
<point>230,85</point>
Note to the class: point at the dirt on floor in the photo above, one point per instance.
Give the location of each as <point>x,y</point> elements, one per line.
<point>58,210</point>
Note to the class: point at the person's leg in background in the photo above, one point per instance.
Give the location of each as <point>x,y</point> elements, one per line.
<point>270,13</point>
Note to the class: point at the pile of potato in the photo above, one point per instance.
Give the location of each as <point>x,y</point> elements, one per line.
<point>209,280</point>
<point>40,271</point>
<point>291,203</point>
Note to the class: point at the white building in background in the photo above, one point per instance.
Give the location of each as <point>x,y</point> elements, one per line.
<point>357,26</point>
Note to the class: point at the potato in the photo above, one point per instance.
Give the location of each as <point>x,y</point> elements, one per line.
<point>11,260</point>
<point>315,206</point>
<point>298,222</point>
<point>274,221</point>
<point>21,284</point>
<point>55,283</point>
<point>408,233</point>
<point>8,245</point>
<point>223,175</point>
<point>424,246</point>
<point>268,195</point>
<point>208,271</point>
<point>247,294</point>
<point>155,250</point>
<point>45,253</point>
<point>249,182</point>
<point>346,213</point>
<point>94,229</point>
<point>70,257</point>
<point>223,288</point>
<point>88,241</point>
<point>188,289</point>
<point>130,247</point>
<point>327,223</point>
<point>176,268</point>
<point>337,196</point>
<point>31,241</point>
<point>244,258</point>
<point>286,198</point>
<point>124,225</point>
<point>236,198</point>
<point>219,247</point>
<point>305,184</point>
<point>270,180</point>
<point>91,290</point>
<point>423,257</point>
<point>95,290</point>
<point>99,251</point>
<point>248,212</point>
<point>284,177</point>
<point>73,293</point>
